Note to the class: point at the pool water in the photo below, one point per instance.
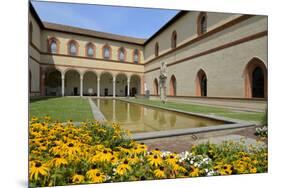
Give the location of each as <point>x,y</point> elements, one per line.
<point>139,118</point>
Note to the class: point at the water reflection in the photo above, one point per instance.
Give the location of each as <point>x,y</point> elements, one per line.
<point>139,118</point>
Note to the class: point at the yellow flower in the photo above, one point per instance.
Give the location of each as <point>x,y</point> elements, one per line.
<point>37,168</point>
<point>123,168</point>
<point>77,178</point>
<point>195,172</point>
<point>171,160</point>
<point>96,176</point>
<point>106,155</point>
<point>155,160</point>
<point>253,170</point>
<point>159,173</point>
<point>57,161</point>
<point>133,160</point>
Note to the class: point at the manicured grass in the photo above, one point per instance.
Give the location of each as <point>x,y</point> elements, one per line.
<point>62,109</point>
<point>247,116</point>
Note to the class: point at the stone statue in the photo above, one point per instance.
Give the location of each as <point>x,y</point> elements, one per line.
<point>163,78</point>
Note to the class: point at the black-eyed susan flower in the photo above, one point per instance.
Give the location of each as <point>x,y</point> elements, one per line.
<point>159,173</point>
<point>194,172</point>
<point>58,161</point>
<point>155,160</point>
<point>77,178</point>
<point>123,168</point>
<point>95,176</point>
<point>37,168</point>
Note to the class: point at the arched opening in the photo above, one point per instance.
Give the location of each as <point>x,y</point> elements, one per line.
<point>72,83</point>
<point>201,84</point>
<point>202,23</point>
<point>122,54</point>
<point>90,84</point>
<point>90,50</point>
<point>155,87</point>
<point>52,82</point>
<point>106,52</point>
<point>53,45</point>
<point>121,83</point>
<point>106,84</point>
<point>135,85</point>
<point>173,86</point>
<point>255,79</point>
<point>174,40</point>
<point>73,47</point>
<point>136,56</point>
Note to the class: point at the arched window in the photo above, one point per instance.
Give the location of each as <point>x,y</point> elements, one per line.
<point>136,56</point>
<point>53,45</point>
<point>106,52</point>
<point>156,49</point>
<point>174,40</point>
<point>202,23</point>
<point>121,54</point>
<point>155,86</point>
<point>30,32</point>
<point>72,48</point>
<point>90,50</point>
<point>255,79</point>
<point>173,86</point>
<point>201,84</point>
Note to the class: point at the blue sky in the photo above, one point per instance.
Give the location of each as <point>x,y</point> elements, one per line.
<point>134,22</point>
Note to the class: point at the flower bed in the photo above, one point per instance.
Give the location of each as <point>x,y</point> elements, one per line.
<point>63,154</point>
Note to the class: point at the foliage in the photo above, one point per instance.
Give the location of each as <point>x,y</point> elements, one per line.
<point>64,154</point>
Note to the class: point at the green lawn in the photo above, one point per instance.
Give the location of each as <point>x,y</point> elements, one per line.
<point>62,109</point>
<point>247,116</point>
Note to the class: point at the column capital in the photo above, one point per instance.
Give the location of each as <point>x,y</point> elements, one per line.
<point>81,77</point>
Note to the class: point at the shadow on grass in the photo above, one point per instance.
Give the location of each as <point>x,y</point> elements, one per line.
<point>36,99</point>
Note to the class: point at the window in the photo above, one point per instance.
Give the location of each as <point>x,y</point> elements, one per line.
<point>30,32</point>
<point>174,40</point>
<point>53,47</point>
<point>121,54</point>
<point>156,49</point>
<point>136,56</point>
<point>90,50</point>
<point>106,52</point>
<point>202,23</point>
<point>73,48</point>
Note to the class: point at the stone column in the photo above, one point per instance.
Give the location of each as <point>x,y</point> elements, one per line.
<point>98,85</point>
<point>128,87</point>
<point>81,85</point>
<point>142,85</point>
<point>62,84</point>
<point>113,82</point>
<point>113,110</point>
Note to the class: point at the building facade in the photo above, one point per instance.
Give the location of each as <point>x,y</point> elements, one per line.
<point>207,55</point>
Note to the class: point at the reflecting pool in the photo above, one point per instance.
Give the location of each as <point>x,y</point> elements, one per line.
<point>139,118</point>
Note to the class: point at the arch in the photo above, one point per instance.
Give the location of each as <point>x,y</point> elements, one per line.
<point>201,83</point>
<point>174,39</point>
<point>135,85</point>
<point>30,32</point>
<point>156,87</point>
<point>136,56</point>
<point>73,47</point>
<point>255,75</point>
<point>52,82</point>
<point>89,46</point>
<point>121,84</point>
<point>50,42</point>
<point>106,54</point>
<point>156,49</point>
<point>173,86</point>
<point>122,54</point>
<point>106,84</point>
<point>202,23</point>
<point>72,82</point>
<point>90,83</point>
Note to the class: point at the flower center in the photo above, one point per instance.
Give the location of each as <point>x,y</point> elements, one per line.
<point>70,145</point>
<point>161,168</point>
<point>98,174</point>
<point>125,162</point>
<point>38,164</point>
<point>57,156</point>
<point>155,157</point>
<point>104,151</point>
